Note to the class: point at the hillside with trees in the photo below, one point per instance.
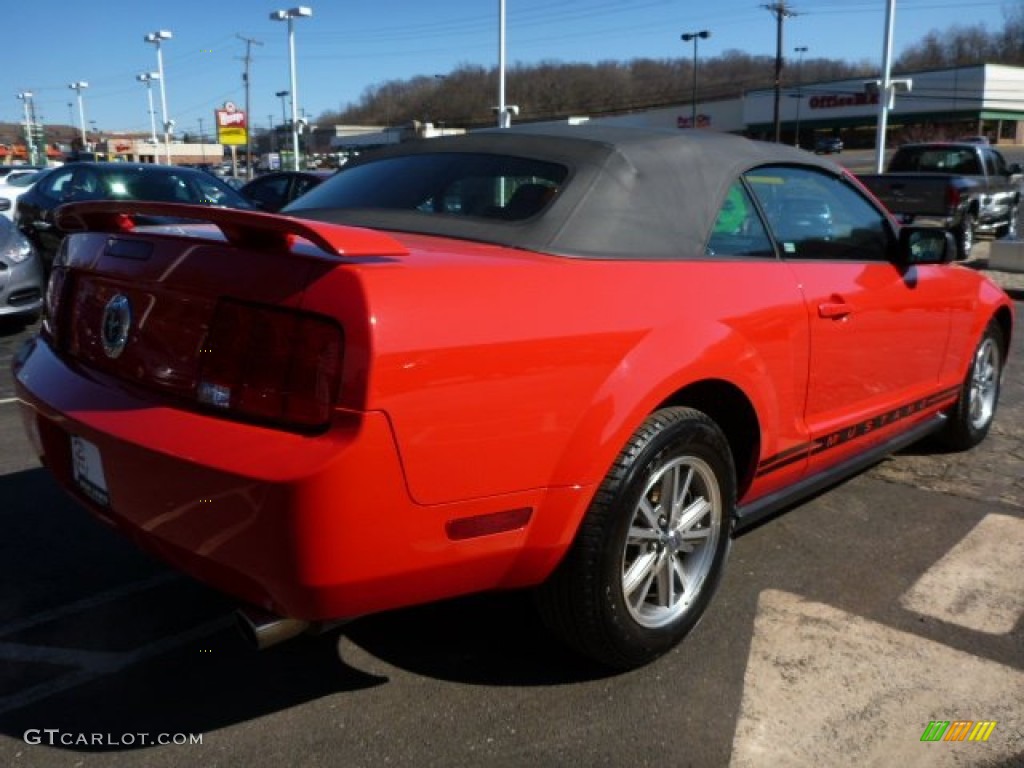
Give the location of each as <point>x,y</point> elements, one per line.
<point>554,89</point>
<point>551,89</point>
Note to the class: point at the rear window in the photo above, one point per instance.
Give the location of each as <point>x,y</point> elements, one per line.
<point>936,160</point>
<point>445,183</point>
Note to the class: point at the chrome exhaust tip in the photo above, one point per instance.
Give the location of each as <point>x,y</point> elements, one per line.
<point>263,630</point>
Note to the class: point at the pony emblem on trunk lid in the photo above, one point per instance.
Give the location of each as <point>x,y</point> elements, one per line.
<point>117,322</point>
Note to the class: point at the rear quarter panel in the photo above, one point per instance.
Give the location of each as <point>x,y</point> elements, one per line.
<point>502,371</point>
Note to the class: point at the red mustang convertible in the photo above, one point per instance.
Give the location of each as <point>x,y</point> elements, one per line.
<point>574,358</point>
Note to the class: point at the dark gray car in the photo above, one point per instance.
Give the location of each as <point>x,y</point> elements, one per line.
<point>82,181</point>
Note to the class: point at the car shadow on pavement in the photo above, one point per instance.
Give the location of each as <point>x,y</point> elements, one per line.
<point>12,326</point>
<point>97,637</point>
<point>495,639</point>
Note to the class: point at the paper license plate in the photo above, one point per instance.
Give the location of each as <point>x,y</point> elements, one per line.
<point>88,470</point>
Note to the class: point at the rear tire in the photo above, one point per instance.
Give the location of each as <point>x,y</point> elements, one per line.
<point>970,419</point>
<point>652,547</point>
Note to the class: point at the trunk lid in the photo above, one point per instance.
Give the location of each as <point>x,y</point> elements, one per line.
<point>210,315</point>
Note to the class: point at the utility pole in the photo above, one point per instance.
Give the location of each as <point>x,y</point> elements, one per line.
<point>249,43</point>
<point>781,12</point>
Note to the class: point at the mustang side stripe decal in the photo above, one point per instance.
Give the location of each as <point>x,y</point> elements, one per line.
<point>852,432</point>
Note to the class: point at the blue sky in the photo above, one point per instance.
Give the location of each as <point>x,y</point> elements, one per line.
<point>349,45</point>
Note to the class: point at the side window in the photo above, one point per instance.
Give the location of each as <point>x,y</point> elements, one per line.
<point>303,185</point>
<point>270,192</point>
<point>58,183</point>
<point>210,193</point>
<point>994,163</point>
<point>738,230</point>
<point>814,215</point>
<point>85,186</point>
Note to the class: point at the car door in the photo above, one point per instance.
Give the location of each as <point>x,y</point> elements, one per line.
<point>36,207</point>
<point>878,329</point>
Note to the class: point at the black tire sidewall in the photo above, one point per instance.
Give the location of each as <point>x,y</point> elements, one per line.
<point>962,434</point>
<point>681,436</point>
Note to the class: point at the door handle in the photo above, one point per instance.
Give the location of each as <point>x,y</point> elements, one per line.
<point>834,310</point>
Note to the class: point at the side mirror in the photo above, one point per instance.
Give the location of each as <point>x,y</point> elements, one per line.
<point>1014,169</point>
<point>926,245</point>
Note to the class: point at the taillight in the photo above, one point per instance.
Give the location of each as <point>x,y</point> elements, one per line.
<point>271,364</point>
<point>52,302</point>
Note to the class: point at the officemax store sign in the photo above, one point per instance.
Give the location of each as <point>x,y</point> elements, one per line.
<point>841,100</point>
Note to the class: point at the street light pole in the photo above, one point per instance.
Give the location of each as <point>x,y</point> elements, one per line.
<point>77,88</point>
<point>886,92</point>
<point>155,38</point>
<point>504,119</point>
<point>290,15</point>
<point>687,37</point>
<point>30,140</point>
<point>148,78</point>
<point>801,50</point>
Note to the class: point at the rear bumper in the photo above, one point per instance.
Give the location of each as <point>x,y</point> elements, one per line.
<point>315,528</point>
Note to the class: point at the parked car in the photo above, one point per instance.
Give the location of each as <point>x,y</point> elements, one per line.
<point>14,186</point>
<point>572,358</point>
<point>828,145</point>
<point>21,275</point>
<point>86,180</point>
<point>7,170</point>
<point>273,191</point>
<point>967,187</point>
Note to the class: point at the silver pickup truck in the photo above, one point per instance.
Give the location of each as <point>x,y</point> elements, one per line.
<point>967,187</point>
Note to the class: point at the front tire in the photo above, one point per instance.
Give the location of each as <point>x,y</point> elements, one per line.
<point>971,418</point>
<point>1009,229</point>
<point>965,237</point>
<point>652,547</point>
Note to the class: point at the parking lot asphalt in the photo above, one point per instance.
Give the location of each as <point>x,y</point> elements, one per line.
<point>843,629</point>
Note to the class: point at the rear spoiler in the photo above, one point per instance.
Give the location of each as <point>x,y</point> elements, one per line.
<point>248,229</point>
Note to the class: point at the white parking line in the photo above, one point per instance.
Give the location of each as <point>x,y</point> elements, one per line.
<point>977,583</point>
<point>825,687</point>
<point>6,400</point>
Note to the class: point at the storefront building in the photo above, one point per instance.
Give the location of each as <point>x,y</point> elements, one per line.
<point>985,100</point>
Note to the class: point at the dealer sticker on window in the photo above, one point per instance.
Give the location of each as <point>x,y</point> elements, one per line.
<point>88,469</point>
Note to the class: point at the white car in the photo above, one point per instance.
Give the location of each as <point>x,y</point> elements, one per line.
<point>13,185</point>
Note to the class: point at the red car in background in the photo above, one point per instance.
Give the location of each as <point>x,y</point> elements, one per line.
<point>576,359</point>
